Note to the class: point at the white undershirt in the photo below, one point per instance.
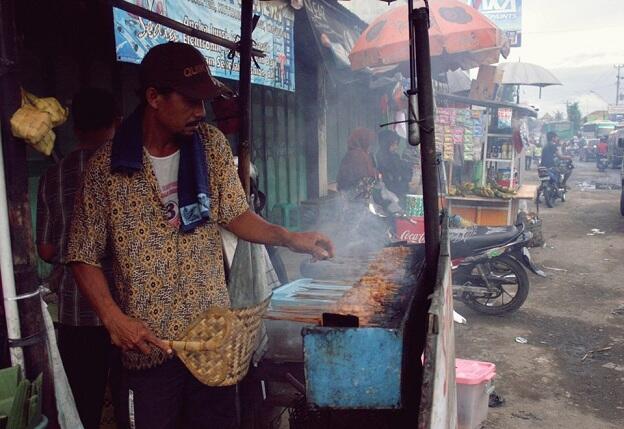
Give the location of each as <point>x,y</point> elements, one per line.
<point>166,170</point>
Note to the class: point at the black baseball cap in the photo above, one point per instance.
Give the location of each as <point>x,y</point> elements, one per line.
<point>180,67</point>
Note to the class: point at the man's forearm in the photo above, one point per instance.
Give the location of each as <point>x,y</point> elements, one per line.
<point>251,227</point>
<point>125,332</point>
<point>94,286</point>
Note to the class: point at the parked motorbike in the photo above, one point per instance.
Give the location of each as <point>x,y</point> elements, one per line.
<point>602,163</point>
<point>488,265</point>
<point>552,185</point>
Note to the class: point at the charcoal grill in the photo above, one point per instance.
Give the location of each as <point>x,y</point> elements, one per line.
<point>358,367</point>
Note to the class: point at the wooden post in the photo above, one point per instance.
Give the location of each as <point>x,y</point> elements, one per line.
<point>23,249</point>
<point>244,89</point>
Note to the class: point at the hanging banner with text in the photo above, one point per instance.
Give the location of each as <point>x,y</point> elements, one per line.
<point>506,14</point>
<point>134,36</point>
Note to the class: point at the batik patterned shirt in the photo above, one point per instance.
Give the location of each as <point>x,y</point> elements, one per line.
<point>162,276</point>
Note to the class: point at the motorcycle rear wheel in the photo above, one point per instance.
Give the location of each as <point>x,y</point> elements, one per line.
<point>502,266</point>
<point>549,196</point>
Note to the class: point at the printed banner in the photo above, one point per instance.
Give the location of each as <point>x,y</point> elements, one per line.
<point>336,31</point>
<point>506,14</point>
<point>134,36</point>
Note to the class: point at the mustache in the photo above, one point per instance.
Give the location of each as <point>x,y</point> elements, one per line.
<point>194,123</point>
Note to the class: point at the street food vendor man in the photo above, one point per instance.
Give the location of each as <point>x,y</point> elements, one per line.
<point>152,199</point>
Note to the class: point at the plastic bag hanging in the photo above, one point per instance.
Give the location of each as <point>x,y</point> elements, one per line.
<point>248,284</point>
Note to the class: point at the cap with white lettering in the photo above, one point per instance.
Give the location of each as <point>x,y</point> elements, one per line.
<point>180,67</point>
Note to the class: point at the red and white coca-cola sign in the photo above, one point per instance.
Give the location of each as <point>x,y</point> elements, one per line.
<point>411,230</point>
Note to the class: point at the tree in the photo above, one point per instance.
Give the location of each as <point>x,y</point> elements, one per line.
<point>558,115</point>
<point>575,117</point>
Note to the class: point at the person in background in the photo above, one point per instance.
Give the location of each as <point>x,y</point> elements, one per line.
<point>552,153</point>
<point>357,169</point>
<point>396,172</point>
<point>528,155</point>
<point>537,154</point>
<point>357,180</point>
<point>602,148</point>
<point>84,344</point>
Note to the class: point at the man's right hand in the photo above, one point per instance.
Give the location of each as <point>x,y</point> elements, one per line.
<point>130,334</point>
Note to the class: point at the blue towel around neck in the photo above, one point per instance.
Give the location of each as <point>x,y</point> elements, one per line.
<point>193,174</point>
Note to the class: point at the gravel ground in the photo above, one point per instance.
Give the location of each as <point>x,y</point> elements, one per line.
<point>571,371</point>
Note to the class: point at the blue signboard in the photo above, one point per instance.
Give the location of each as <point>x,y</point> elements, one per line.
<point>134,36</point>
<point>506,14</point>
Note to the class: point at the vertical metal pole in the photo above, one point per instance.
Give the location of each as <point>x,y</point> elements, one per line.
<point>244,89</point>
<point>412,44</point>
<point>419,21</point>
<point>6,270</point>
<point>412,108</point>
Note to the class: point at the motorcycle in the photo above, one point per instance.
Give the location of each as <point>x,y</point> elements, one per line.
<point>488,265</point>
<point>602,163</point>
<point>552,185</point>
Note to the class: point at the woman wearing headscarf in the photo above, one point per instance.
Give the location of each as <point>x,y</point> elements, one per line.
<point>357,172</point>
<point>356,179</point>
<point>396,172</point>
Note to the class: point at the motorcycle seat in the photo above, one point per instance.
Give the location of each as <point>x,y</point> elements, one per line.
<point>468,241</point>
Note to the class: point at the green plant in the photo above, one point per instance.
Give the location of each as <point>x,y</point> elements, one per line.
<point>20,400</point>
<point>18,416</point>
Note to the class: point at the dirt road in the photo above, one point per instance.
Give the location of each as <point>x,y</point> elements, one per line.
<point>570,374</point>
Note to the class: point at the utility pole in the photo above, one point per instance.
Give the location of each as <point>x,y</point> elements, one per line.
<point>619,68</point>
<point>244,91</point>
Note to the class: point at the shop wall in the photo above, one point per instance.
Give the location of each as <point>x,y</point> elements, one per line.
<point>77,49</point>
<point>349,106</point>
<point>278,151</point>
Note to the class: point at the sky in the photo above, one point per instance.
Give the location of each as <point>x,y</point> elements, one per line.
<point>578,40</point>
<point>571,33</point>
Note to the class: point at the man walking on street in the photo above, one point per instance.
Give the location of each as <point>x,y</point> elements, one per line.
<point>157,195</point>
<point>83,342</point>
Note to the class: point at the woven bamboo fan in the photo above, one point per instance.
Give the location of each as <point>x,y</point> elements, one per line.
<point>218,346</point>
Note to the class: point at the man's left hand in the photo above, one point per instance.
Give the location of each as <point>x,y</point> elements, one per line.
<point>313,243</point>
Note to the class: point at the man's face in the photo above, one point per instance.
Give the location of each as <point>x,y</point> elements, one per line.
<point>179,114</point>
